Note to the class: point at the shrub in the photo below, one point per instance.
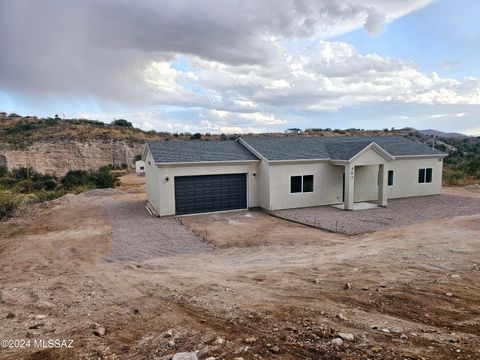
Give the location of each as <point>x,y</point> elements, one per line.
<point>101,178</point>
<point>24,186</point>
<point>196,136</point>
<point>75,178</point>
<point>8,204</point>
<point>3,171</point>
<point>42,196</point>
<point>7,182</point>
<point>122,122</point>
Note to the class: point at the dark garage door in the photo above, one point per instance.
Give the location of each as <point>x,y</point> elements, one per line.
<point>197,194</point>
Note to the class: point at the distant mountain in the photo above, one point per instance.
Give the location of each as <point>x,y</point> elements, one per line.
<point>431,132</point>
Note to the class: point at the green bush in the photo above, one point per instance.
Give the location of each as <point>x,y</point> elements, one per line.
<point>101,178</point>
<point>75,178</point>
<point>196,136</point>
<point>8,204</point>
<point>42,196</point>
<point>7,182</point>
<point>3,171</point>
<point>122,122</point>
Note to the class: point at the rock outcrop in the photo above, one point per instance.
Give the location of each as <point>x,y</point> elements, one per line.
<point>57,158</point>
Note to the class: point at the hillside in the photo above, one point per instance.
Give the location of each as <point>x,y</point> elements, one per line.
<point>54,146</point>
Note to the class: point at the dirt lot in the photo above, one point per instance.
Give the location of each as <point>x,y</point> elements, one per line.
<point>414,292</point>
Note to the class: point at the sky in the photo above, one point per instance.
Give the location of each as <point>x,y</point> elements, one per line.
<point>239,66</point>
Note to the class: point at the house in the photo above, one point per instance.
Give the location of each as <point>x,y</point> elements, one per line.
<point>294,131</point>
<point>140,167</point>
<point>186,177</point>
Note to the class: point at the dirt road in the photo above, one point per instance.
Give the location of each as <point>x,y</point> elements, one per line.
<point>412,292</point>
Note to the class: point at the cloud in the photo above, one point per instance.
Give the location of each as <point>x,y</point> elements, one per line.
<point>102,48</point>
<point>449,65</point>
<point>228,65</point>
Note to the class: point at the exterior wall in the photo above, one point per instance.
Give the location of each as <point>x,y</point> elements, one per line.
<point>369,157</point>
<point>152,175</point>
<point>327,180</point>
<point>264,184</point>
<point>405,178</point>
<point>366,183</point>
<point>138,167</point>
<point>165,191</point>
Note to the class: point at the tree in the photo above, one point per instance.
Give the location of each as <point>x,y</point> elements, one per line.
<point>122,122</point>
<point>196,136</point>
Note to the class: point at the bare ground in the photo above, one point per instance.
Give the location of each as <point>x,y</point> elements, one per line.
<point>267,300</point>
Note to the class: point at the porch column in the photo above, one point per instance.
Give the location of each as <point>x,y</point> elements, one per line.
<point>349,186</point>
<point>382,185</point>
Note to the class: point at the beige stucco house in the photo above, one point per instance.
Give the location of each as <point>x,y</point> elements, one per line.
<point>187,177</point>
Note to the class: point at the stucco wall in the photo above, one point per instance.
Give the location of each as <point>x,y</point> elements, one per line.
<point>152,175</point>
<point>166,189</point>
<point>366,183</point>
<point>328,180</point>
<point>327,185</point>
<point>264,185</point>
<point>138,166</point>
<point>406,177</point>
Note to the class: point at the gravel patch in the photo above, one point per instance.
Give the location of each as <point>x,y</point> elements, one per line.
<point>138,236</point>
<point>400,212</point>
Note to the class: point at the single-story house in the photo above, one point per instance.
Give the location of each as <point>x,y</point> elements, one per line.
<point>187,177</point>
<point>140,167</point>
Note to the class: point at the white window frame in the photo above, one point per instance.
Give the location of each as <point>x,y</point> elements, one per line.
<point>425,176</point>
<point>302,192</point>
<point>393,177</point>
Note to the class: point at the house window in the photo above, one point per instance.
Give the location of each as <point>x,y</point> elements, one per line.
<point>296,184</point>
<point>141,168</point>
<point>425,175</point>
<point>390,178</point>
<point>300,184</point>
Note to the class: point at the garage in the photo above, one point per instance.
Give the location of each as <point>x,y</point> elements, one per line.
<point>208,193</point>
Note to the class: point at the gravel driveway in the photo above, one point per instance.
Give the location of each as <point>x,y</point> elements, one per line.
<point>400,212</point>
<point>138,236</point>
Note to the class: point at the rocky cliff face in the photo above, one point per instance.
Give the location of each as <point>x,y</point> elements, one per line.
<point>57,158</point>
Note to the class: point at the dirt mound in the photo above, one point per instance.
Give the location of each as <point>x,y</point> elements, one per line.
<point>76,198</point>
<point>103,192</point>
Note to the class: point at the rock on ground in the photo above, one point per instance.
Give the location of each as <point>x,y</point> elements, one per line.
<point>185,356</point>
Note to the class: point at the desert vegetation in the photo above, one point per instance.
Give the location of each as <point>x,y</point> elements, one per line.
<point>24,185</point>
<point>462,166</point>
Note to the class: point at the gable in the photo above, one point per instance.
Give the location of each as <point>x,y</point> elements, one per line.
<point>371,155</point>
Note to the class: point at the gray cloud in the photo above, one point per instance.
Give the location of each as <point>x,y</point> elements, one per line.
<point>101,48</point>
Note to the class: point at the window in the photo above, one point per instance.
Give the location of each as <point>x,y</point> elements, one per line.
<point>428,177</point>
<point>300,184</point>
<point>141,168</point>
<point>425,175</point>
<point>308,183</point>
<point>390,178</point>
<point>296,184</point>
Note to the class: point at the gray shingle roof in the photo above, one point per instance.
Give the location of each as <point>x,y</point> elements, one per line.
<point>335,148</point>
<point>198,151</point>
